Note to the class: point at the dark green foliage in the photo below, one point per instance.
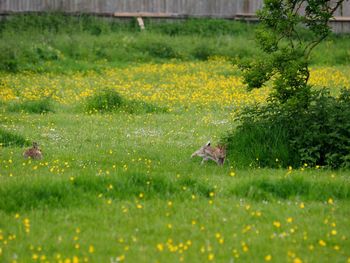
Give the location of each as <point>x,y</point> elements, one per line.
<point>323,135</point>
<point>11,139</point>
<point>291,187</point>
<point>318,135</point>
<point>297,125</point>
<point>141,107</point>
<point>106,100</point>
<point>260,144</point>
<point>36,106</point>
<point>287,52</point>
<point>85,189</point>
<point>158,49</point>
<point>203,52</point>
<point>201,27</point>
<point>54,193</point>
<point>8,58</point>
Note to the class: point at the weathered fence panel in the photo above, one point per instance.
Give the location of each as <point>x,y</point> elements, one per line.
<point>243,9</point>
<point>215,8</point>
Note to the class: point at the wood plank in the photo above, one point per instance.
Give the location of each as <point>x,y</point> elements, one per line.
<point>341,19</point>
<point>146,14</point>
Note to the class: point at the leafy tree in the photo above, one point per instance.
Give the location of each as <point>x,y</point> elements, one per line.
<point>297,126</point>
<point>289,31</point>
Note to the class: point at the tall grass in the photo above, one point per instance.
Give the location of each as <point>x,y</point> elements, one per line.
<point>290,187</point>
<point>45,42</point>
<point>114,187</point>
<point>36,106</point>
<point>108,100</point>
<point>11,139</point>
<point>58,193</point>
<point>260,145</point>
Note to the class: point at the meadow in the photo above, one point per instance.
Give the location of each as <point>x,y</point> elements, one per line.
<point>121,186</point>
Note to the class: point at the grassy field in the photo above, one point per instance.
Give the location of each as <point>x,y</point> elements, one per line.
<point>121,186</point>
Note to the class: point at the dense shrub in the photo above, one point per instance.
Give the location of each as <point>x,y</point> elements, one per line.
<point>322,136</point>
<point>34,106</point>
<point>283,135</point>
<point>109,100</point>
<point>158,49</point>
<point>106,100</point>
<point>203,52</point>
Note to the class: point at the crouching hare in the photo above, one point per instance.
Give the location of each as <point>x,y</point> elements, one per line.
<point>207,152</point>
<point>33,152</point>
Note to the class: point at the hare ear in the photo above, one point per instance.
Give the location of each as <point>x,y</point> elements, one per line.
<point>208,143</point>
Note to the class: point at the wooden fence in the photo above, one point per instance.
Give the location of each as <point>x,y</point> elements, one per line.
<point>229,9</point>
<point>213,8</point>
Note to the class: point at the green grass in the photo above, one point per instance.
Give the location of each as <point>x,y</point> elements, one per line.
<point>108,100</point>
<point>8,138</point>
<point>260,145</point>
<point>37,106</point>
<point>57,43</point>
<point>126,185</point>
<point>121,186</point>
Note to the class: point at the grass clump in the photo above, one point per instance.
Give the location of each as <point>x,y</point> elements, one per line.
<point>41,106</point>
<point>109,100</point>
<point>292,187</point>
<point>259,144</point>
<point>201,27</point>
<point>59,42</point>
<point>11,139</point>
<point>157,49</point>
<point>106,100</point>
<point>60,193</point>
<point>283,135</point>
<point>203,51</point>
<point>140,107</point>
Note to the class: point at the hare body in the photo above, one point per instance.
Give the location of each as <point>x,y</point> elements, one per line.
<point>33,152</point>
<point>207,152</point>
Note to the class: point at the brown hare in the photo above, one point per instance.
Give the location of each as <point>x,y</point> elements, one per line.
<point>33,152</point>
<point>217,154</point>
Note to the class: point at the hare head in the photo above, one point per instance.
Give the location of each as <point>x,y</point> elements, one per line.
<point>207,152</point>
<point>201,152</point>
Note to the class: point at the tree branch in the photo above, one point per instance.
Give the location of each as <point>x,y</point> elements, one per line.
<point>337,5</point>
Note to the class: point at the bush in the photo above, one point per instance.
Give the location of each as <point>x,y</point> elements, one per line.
<point>109,100</point>
<point>158,49</point>
<point>323,134</point>
<point>260,141</point>
<point>141,107</point>
<point>203,52</point>
<point>11,139</point>
<point>106,100</point>
<point>284,135</point>
<point>35,106</point>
